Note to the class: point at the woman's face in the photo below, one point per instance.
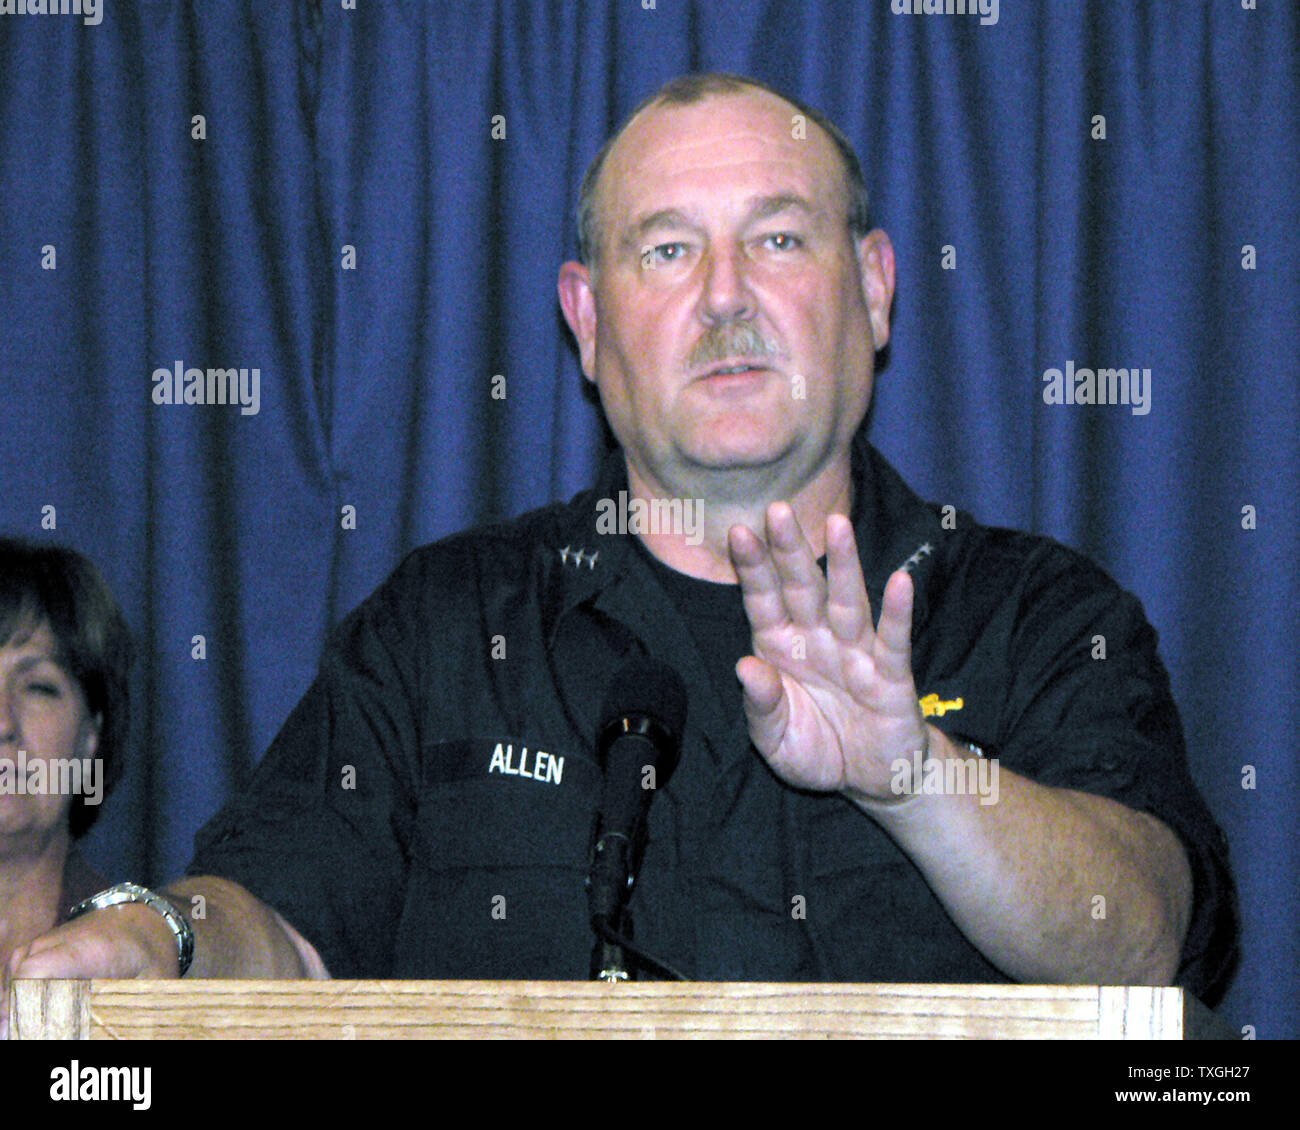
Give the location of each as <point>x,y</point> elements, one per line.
<point>43,716</point>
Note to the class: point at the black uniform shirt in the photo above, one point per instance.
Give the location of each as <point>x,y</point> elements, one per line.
<point>426,811</point>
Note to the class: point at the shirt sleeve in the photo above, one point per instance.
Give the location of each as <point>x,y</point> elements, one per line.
<point>1090,708</point>
<point>319,833</point>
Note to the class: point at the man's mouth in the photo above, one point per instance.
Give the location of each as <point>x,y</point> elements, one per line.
<point>727,370</point>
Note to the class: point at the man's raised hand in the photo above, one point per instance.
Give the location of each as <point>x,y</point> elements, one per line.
<point>829,699</point>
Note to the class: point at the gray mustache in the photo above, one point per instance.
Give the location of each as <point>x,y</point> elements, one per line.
<point>732,340</point>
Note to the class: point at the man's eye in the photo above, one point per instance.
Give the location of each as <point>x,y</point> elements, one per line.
<point>783,241</point>
<point>45,690</point>
<point>662,253</point>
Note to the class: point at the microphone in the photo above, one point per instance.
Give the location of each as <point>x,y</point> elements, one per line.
<point>638,745</point>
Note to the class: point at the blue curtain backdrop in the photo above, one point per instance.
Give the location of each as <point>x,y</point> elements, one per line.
<point>326,128</point>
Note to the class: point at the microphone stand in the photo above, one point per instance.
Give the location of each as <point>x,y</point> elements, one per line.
<point>616,956</point>
<point>609,887</point>
<point>609,959</point>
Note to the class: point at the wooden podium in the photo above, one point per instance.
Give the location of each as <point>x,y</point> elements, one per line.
<point>397,1010</point>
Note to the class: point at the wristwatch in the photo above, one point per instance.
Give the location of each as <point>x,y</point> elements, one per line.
<point>133,892</point>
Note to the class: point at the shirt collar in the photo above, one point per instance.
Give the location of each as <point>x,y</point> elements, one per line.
<point>893,526</point>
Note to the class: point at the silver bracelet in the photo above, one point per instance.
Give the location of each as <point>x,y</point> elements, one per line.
<point>133,892</point>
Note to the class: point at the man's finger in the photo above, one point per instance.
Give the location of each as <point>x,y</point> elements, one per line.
<point>7,970</point>
<point>39,944</point>
<point>848,608</point>
<point>760,587</point>
<point>893,649</point>
<point>803,588</point>
<point>767,710</point>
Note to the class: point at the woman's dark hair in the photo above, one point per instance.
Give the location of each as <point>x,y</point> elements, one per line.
<point>50,584</point>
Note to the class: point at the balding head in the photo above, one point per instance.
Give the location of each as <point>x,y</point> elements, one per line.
<point>690,90</point>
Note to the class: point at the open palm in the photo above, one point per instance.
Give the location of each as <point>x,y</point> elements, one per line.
<point>829,699</point>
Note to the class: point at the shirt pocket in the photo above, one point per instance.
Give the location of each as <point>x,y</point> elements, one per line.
<point>497,881</point>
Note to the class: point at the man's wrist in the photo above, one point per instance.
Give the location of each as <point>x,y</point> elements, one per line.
<point>906,776</point>
<point>171,916</point>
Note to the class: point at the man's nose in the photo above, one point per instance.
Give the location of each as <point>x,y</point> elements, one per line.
<point>727,296</point>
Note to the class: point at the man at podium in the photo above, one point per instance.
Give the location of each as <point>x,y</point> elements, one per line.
<point>913,749</point>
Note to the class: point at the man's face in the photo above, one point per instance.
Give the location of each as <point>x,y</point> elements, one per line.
<point>724,245</point>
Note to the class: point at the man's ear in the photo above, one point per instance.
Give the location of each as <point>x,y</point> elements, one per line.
<point>876,260</point>
<point>578,301</point>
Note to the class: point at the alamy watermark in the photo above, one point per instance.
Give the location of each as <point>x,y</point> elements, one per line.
<point>939,776</point>
<point>52,776</point>
<point>655,516</point>
<point>179,385</point>
<point>1100,386</point>
<point>90,11</point>
<point>987,10</point>
<point>76,1083</point>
